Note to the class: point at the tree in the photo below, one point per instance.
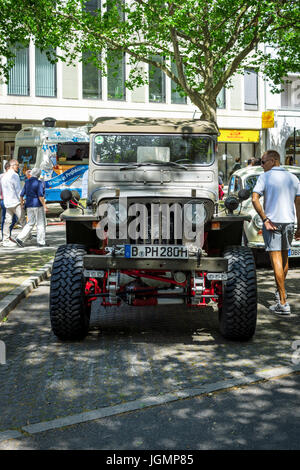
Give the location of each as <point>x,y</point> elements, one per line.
<point>200,44</point>
<point>12,32</point>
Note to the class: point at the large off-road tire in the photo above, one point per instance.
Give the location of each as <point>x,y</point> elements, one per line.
<point>69,313</point>
<point>238,313</point>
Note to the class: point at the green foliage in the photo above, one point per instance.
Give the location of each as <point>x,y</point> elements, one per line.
<point>203,43</point>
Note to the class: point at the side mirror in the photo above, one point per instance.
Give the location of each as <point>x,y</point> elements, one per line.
<point>243,194</point>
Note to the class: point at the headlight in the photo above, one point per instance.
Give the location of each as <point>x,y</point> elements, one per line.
<point>117,213</point>
<point>258,223</point>
<point>195,213</point>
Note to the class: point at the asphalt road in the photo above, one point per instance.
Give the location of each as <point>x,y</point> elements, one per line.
<point>147,373</point>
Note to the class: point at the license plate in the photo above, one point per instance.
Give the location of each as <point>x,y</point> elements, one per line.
<point>294,252</point>
<point>156,251</point>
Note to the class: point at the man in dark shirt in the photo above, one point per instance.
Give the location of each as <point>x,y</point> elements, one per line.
<point>35,204</point>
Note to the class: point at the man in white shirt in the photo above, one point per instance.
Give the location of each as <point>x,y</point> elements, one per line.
<point>281,191</point>
<point>11,190</point>
<point>3,209</point>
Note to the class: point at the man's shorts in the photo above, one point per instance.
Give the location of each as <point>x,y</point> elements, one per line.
<point>280,239</point>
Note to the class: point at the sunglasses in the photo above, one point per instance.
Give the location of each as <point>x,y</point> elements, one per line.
<point>265,161</point>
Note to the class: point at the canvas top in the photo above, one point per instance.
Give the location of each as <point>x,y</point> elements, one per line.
<point>153,126</point>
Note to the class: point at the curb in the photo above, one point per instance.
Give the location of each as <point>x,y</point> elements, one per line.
<point>11,300</point>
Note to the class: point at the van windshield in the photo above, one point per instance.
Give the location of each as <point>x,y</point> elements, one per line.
<point>123,149</point>
<point>27,155</point>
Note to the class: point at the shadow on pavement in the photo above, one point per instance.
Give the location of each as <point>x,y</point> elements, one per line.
<point>129,354</point>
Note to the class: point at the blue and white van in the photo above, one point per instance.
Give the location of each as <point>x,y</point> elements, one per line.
<point>61,153</point>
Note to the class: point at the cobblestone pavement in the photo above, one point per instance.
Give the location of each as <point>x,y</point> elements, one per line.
<point>130,353</point>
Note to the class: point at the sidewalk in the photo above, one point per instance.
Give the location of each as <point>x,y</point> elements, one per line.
<point>21,269</point>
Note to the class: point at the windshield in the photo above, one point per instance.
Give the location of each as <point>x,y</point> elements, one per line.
<point>251,181</point>
<point>123,149</point>
<point>27,155</point>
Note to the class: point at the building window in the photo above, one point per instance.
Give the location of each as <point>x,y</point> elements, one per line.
<point>157,82</point>
<point>18,81</point>
<point>119,4</point>
<point>92,5</point>
<point>221,99</point>
<point>116,62</point>
<point>251,89</point>
<point>116,75</point>
<point>177,96</point>
<point>290,96</point>
<point>45,75</point>
<point>91,74</point>
<point>91,79</point>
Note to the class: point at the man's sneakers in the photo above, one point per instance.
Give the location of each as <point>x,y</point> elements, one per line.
<point>281,309</point>
<point>278,307</point>
<point>9,244</point>
<point>19,243</point>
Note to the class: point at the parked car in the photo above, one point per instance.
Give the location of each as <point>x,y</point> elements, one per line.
<point>246,178</point>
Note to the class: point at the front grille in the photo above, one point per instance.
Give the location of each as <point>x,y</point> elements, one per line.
<point>161,221</point>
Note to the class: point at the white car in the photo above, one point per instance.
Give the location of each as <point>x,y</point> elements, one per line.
<point>246,178</point>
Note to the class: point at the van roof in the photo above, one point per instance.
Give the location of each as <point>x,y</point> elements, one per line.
<point>153,126</point>
<point>39,134</point>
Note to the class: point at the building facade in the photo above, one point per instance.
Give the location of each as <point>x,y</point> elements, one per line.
<point>285,135</point>
<point>77,95</point>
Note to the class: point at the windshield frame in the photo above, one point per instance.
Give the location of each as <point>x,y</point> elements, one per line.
<point>213,143</point>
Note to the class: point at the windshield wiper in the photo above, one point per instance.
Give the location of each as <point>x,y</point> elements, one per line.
<point>137,165</point>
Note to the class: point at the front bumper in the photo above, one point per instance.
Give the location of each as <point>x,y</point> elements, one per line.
<point>207,264</point>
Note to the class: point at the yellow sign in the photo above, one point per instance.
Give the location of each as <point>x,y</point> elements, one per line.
<point>238,135</point>
<point>267,119</point>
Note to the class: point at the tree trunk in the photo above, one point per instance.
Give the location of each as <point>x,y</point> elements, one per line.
<point>207,107</point>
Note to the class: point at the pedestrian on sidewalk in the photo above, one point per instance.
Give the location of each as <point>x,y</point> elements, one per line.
<point>281,191</point>
<point>3,208</point>
<point>11,189</point>
<point>34,193</point>
<point>236,166</point>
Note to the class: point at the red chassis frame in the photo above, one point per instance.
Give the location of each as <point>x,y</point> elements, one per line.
<point>148,295</point>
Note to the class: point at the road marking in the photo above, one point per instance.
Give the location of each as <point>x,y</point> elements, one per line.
<point>150,401</point>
